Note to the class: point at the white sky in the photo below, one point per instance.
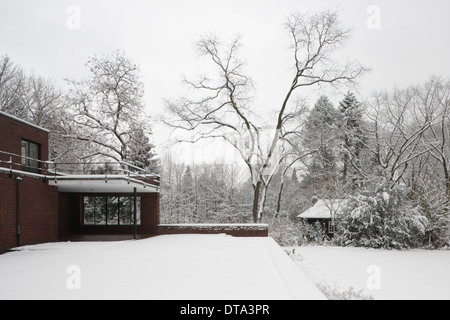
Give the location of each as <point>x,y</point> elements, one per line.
<point>411,44</point>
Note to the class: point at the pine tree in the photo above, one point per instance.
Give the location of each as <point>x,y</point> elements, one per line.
<point>141,152</point>
<point>188,196</point>
<point>383,219</point>
<point>351,136</point>
<point>319,133</point>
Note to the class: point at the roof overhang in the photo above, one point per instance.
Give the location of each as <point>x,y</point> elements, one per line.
<point>101,184</point>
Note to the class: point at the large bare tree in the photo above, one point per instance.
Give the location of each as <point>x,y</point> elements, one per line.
<point>222,106</point>
<point>109,112</point>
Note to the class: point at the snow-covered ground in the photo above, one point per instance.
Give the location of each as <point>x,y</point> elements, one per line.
<point>209,267</point>
<point>353,273</point>
<point>216,267</point>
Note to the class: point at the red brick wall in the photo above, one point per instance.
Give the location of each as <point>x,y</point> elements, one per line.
<point>150,213</point>
<point>12,132</point>
<point>38,211</point>
<point>38,205</point>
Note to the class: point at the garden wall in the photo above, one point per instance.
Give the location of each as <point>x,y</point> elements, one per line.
<point>236,230</point>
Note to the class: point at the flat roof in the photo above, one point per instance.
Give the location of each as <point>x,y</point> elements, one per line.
<point>23,121</point>
<point>101,184</point>
<point>112,183</point>
<point>168,267</point>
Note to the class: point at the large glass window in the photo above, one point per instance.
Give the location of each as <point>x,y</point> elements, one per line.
<point>30,156</point>
<point>110,210</point>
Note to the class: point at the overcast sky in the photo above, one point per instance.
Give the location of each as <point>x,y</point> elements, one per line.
<point>407,44</point>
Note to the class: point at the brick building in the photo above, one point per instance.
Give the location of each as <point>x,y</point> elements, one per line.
<point>40,202</point>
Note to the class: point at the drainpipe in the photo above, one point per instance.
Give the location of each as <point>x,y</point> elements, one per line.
<point>18,181</point>
<point>135,212</point>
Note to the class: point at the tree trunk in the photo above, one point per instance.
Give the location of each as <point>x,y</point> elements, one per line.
<point>345,168</point>
<point>447,191</point>
<point>280,192</point>
<point>262,202</point>
<point>256,201</point>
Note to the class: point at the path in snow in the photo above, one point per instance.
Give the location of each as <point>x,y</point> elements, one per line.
<point>382,274</point>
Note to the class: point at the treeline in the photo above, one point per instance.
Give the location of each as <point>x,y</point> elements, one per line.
<point>98,119</point>
<point>388,156</point>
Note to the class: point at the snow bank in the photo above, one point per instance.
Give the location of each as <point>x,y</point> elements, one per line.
<point>209,267</point>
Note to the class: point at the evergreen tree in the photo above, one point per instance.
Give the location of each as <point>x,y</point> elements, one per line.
<point>188,196</point>
<point>383,219</point>
<point>319,134</point>
<point>141,152</point>
<point>351,137</point>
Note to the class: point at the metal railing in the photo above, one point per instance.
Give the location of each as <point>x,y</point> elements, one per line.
<point>58,170</point>
<point>15,162</point>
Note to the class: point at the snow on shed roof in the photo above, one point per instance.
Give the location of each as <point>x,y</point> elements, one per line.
<point>323,209</point>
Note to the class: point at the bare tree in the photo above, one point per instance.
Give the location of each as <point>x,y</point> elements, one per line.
<point>42,100</point>
<point>435,95</point>
<point>37,100</point>
<point>399,122</point>
<point>12,82</point>
<point>108,109</point>
<point>223,109</point>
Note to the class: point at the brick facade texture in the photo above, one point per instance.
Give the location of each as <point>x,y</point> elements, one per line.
<point>11,134</point>
<point>32,203</point>
<point>36,213</point>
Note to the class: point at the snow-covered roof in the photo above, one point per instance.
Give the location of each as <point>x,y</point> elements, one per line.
<point>323,209</point>
<point>169,267</point>
<point>101,184</point>
<point>23,121</point>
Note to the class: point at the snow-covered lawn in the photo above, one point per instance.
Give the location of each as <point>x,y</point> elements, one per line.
<point>214,267</point>
<point>164,267</point>
<point>379,274</point>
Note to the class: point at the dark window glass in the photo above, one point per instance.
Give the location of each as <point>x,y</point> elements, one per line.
<point>110,210</point>
<point>30,156</point>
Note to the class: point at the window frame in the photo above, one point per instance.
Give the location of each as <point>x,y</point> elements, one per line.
<point>29,163</point>
<point>103,211</point>
<point>332,227</point>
